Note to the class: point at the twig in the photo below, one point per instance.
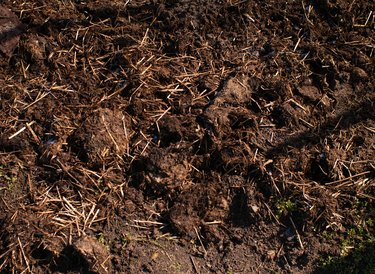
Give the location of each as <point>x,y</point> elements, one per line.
<point>212,223</point>
<point>273,215</point>
<point>161,115</point>
<point>194,265</point>
<point>298,236</point>
<point>23,254</point>
<point>148,222</point>
<point>22,129</point>
<point>38,98</point>
<point>199,238</point>
<point>348,178</point>
<point>18,132</point>
<point>35,137</point>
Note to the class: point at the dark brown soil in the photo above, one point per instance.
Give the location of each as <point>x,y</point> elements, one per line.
<point>180,136</point>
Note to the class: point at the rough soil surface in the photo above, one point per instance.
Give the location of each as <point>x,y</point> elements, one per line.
<point>184,136</point>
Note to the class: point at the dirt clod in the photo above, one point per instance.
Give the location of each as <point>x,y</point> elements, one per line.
<point>104,133</point>
<point>10,31</point>
<point>96,255</point>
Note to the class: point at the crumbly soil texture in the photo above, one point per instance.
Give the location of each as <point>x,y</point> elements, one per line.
<point>187,136</point>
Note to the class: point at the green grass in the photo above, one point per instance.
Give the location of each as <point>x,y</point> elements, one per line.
<point>360,260</point>
<point>357,245</point>
<point>9,181</point>
<point>284,207</point>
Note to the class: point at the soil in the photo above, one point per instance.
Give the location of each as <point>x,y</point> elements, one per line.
<point>160,136</point>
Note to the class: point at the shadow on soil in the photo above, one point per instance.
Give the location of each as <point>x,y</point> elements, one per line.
<point>71,261</point>
<point>239,209</point>
<point>355,115</point>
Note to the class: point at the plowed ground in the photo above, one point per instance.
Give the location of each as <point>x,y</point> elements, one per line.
<point>181,136</point>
